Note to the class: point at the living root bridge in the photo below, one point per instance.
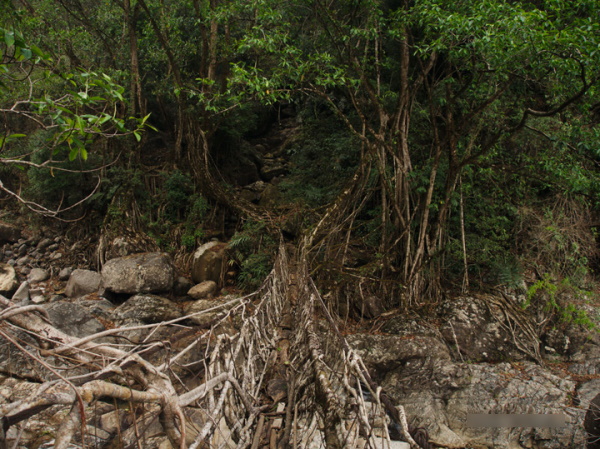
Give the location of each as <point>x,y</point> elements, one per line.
<point>284,378</point>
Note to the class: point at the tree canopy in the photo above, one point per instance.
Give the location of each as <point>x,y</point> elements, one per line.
<point>454,115</point>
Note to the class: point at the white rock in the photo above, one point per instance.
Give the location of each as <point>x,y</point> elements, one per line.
<point>203,290</point>
<point>8,278</point>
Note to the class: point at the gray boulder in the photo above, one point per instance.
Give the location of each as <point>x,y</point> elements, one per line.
<point>139,273</point>
<point>204,290</point>
<point>205,312</point>
<point>65,273</point>
<point>209,262</point>
<point>146,309</point>
<point>22,293</point>
<point>83,282</point>
<point>8,278</point>
<point>37,275</point>
<point>73,319</point>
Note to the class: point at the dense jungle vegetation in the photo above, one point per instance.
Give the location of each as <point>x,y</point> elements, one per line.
<point>438,145</point>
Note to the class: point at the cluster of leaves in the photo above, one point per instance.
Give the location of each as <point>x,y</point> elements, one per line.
<point>178,207</point>
<point>62,115</point>
<point>561,299</point>
<point>253,251</point>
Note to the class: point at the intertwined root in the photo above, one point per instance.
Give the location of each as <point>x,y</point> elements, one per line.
<point>282,376</point>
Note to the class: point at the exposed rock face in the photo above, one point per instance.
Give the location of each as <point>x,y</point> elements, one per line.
<point>474,334</point>
<point>147,309</point>
<point>206,289</point>
<point>83,282</point>
<point>386,352</point>
<point>592,419</point>
<point>139,273</point>
<point>415,369</point>
<point>209,262</point>
<point>8,278</point>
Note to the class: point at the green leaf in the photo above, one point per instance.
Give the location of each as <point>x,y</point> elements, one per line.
<point>9,38</point>
<point>137,135</point>
<point>38,52</point>
<point>26,52</point>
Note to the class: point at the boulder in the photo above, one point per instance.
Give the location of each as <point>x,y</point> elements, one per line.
<point>139,273</point>
<point>9,233</point>
<point>206,311</point>
<point>8,278</point>
<point>37,275</point>
<point>73,319</point>
<point>204,290</point>
<point>209,262</point>
<point>147,309</point>
<point>65,273</point>
<point>270,196</point>
<point>83,282</point>
<point>22,293</point>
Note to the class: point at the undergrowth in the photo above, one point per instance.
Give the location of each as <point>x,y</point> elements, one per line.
<point>252,250</point>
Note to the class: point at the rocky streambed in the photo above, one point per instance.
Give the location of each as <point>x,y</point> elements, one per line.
<point>471,356</point>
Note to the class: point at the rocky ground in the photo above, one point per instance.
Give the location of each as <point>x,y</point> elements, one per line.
<point>473,356</point>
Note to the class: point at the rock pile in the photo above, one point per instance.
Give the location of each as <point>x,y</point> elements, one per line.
<point>471,362</point>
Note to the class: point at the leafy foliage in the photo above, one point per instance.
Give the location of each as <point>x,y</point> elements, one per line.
<point>253,250</point>
<point>417,98</point>
<point>560,300</point>
<point>322,159</point>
